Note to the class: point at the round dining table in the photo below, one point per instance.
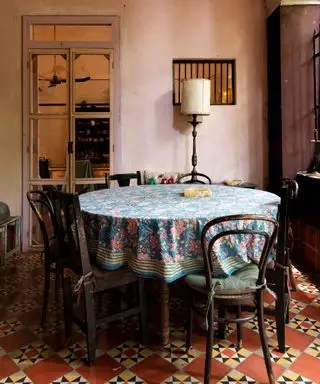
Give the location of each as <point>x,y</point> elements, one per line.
<point>156,230</point>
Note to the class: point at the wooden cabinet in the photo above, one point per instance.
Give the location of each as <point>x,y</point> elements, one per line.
<point>290,90</point>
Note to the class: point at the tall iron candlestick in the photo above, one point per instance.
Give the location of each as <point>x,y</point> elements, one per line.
<point>194,158</point>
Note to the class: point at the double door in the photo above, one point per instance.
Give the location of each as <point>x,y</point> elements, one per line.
<point>70,120</point>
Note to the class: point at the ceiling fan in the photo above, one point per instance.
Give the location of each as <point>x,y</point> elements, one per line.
<point>56,80</point>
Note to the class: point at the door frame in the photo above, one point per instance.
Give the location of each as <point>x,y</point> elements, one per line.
<point>27,44</point>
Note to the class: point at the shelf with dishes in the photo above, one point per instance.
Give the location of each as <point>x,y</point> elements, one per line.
<point>93,140</point>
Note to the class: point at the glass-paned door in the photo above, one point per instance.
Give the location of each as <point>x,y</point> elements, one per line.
<point>70,121</point>
<point>49,126</point>
<point>91,118</point>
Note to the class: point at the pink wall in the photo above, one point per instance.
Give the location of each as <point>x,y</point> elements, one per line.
<point>231,141</point>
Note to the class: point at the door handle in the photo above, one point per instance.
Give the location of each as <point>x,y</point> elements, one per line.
<point>70,147</point>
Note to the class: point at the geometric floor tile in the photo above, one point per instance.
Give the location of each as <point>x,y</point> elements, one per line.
<point>180,378</point>
<point>306,325</point>
<point>22,307</point>
<point>176,353</point>
<point>76,354</point>
<point>227,353</point>
<point>72,377</point>
<point>236,377</point>
<point>129,353</point>
<point>307,287</point>
<point>270,326</point>
<point>127,377</point>
<point>10,326</point>
<point>48,329</point>
<point>177,332</point>
<point>19,377</point>
<point>30,354</point>
<point>296,306</point>
<point>292,377</point>
<point>33,354</point>
<point>314,348</point>
<point>316,302</point>
<point>283,359</point>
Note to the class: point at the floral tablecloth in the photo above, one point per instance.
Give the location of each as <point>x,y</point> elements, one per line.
<point>156,230</point>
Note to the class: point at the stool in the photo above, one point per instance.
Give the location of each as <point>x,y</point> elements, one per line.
<point>15,223</point>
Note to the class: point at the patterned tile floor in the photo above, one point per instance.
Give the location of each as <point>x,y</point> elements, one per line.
<point>32,354</point>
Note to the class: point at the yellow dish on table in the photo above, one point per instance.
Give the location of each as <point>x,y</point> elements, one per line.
<point>232,182</point>
<point>197,192</point>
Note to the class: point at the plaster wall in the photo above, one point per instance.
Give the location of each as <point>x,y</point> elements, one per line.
<point>231,141</point>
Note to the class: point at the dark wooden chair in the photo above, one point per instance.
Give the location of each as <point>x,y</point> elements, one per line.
<point>43,209</point>
<point>280,273</point>
<point>92,280</point>
<point>123,179</point>
<point>190,178</point>
<point>246,284</point>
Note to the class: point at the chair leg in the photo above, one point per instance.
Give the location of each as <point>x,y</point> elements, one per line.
<point>143,323</point>
<point>281,315</point>
<point>45,291</point>
<point>292,279</point>
<point>287,312</point>
<point>189,320</point>
<point>239,328</point>
<point>221,326</point>
<point>90,323</point>
<point>208,361</point>
<point>68,306</point>
<point>263,338</point>
<point>57,281</point>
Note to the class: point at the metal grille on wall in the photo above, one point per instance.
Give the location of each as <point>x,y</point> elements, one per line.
<point>220,72</point>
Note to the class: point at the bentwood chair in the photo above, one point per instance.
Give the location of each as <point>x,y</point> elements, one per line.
<point>43,209</point>
<point>123,179</point>
<point>92,280</point>
<point>246,284</point>
<point>278,271</point>
<point>190,178</point>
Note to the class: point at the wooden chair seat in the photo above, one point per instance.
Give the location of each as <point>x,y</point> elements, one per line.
<point>104,280</point>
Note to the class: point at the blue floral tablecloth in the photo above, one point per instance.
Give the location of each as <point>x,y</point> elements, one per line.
<point>156,230</point>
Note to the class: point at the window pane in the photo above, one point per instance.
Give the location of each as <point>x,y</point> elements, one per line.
<point>92,82</point>
<point>49,92</point>
<point>49,146</point>
<point>71,32</point>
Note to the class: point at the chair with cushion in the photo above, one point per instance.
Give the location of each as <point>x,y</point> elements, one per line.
<point>190,178</point>
<point>245,284</point>
<point>42,208</point>
<point>123,179</point>
<point>279,271</point>
<point>92,280</point>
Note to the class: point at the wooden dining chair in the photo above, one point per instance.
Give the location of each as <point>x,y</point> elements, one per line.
<point>190,178</point>
<point>246,284</point>
<point>279,274</point>
<point>123,179</point>
<point>79,300</point>
<point>42,207</point>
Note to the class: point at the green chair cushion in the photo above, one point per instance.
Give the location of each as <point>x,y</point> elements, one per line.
<point>241,281</point>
